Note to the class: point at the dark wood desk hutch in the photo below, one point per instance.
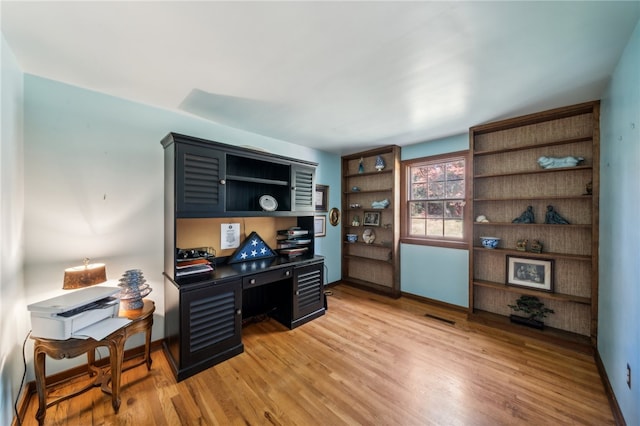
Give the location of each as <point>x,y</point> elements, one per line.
<point>204,181</point>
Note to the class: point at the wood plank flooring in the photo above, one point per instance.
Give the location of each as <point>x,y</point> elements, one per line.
<point>370,360</point>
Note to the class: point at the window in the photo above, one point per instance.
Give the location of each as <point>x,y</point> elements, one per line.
<point>434,200</point>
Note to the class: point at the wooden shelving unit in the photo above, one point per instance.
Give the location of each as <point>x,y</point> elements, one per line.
<point>506,180</point>
<point>374,266</point>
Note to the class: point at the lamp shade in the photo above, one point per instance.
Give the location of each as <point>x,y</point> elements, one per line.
<point>84,276</point>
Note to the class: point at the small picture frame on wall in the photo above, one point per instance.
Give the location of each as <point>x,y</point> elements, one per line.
<point>321,198</point>
<point>320,226</point>
<point>530,273</point>
<point>371,218</point>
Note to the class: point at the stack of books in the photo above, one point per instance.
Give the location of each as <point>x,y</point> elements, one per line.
<point>293,241</point>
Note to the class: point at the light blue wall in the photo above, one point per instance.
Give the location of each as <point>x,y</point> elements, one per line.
<point>435,272</point>
<point>14,325</point>
<point>619,300</point>
<point>330,174</point>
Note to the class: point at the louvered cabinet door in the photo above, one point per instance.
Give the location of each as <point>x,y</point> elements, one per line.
<point>302,188</point>
<point>199,181</point>
<point>211,323</point>
<point>308,297</point>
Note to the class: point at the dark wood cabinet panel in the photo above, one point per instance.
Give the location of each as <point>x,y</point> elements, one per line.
<point>199,172</point>
<point>204,325</point>
<point>217,180</point>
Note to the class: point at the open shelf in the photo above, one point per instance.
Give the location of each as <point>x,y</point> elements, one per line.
<point>546,295</point>
<point>543,255</point>
<point>552,335</point>
<point>585,197</point>
<point>533,172</point>
<point>364,174</point>
<point>532,146</point>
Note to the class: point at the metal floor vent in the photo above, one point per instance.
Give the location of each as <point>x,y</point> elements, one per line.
<point>448,321</point>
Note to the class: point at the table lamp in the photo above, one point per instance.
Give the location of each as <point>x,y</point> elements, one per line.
<point>84,276</point>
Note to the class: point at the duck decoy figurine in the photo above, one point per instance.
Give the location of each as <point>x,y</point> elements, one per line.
<point>552,217</point>
<point>525,217</point>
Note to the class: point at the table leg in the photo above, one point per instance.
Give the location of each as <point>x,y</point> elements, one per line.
<point>147,348</point>
<point>39,366</point>
<point>116,347</point>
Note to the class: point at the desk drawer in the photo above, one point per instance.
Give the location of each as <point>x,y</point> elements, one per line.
<point>266,277</point>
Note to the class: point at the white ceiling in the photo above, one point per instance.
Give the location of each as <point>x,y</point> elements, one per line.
<point>336,76</point>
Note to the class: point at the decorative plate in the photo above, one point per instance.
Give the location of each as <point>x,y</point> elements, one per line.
<point>268,203</point>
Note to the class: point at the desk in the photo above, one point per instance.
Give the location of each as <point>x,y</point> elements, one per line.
<point>141,321</point>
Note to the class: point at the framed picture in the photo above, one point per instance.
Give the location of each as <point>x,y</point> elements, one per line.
<point>530,273</point>
<point>321,198</point>
<point>371,219</point>
<point>320,226</point>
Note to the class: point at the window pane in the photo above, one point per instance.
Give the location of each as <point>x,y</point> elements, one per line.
<point>419,191</point>
<point>417,210</point>
<point>453,228</point>
<point>435,209</point>
<point>455,189</point>
<point>455,170</point>
<point>434,227</point>
<point>436,172</point>
<point>453,209</point>
<point>436,190</point>
<point>418,227</point>
<point>418,174</point>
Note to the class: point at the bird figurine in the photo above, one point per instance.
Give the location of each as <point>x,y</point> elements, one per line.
<point>525,217</point>
<point>553,217</point>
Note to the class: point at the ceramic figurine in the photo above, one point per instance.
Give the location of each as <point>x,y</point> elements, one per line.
<point>525,217</point>
<point>555,162</point>
<point>379,163</point>
<point>521,245</point>
<point>361,165</point>
<point>536,246</point>
<point>482,218</point>
<point>355,221</point>
<point>589,188</point>
<point>368,236</point>
<point>382,204</point>
<point>552,217</point>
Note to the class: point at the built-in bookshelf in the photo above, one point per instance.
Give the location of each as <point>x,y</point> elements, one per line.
<point>507,179</point>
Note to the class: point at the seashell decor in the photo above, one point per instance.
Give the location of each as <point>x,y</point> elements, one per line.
<point>134,288</point>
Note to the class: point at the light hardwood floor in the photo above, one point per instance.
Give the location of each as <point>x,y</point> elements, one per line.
<point>370,360</point>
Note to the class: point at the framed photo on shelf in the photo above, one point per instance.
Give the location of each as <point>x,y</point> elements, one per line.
<point>371,219</point>
<point>530,273</point>
<point>320,226</point>
<point>321,198</point>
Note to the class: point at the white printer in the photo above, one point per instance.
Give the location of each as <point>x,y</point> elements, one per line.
<point>89,312</point>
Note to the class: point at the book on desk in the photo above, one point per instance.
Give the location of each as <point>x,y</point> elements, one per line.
<point>86,313</point>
